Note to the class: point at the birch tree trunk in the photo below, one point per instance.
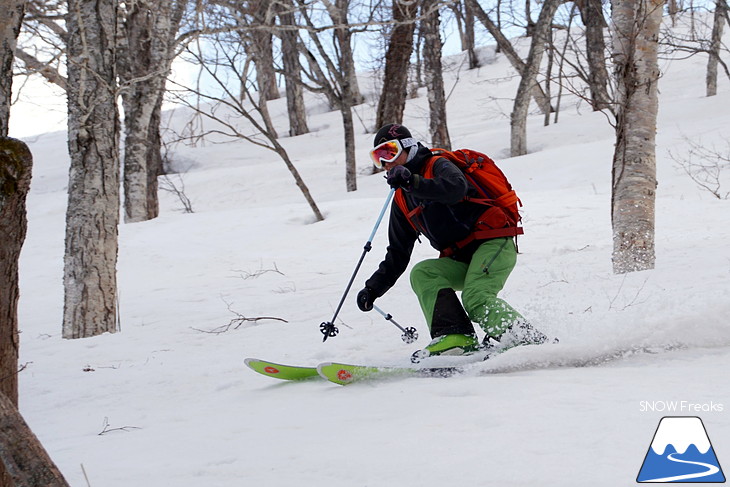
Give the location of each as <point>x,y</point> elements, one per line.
<point>149,30</point>
<point>92,216</point>
<point>432,49</point>
<point>392,100</point>
<point>518,118</point>
<point>715,45</point>
<point>11,16</point>
<point>293,69</point>
<point>635,49</point>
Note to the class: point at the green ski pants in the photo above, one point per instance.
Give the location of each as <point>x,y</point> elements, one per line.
<point>479,282</point>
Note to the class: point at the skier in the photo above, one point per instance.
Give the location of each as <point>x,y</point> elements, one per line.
<point>479,269</point>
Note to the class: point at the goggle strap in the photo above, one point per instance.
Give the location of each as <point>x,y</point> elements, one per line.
<point>408,142</point>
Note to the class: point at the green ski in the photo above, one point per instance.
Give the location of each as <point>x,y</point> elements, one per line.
<point>280,371</point>
<point>344,374</point>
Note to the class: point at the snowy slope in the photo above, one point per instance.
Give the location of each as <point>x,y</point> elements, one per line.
<point>193,415</point>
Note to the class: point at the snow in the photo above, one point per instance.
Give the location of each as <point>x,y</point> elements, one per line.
<point>165,402</point>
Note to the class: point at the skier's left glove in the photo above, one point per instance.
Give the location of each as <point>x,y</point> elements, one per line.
<point>400,177</point>
<point>365,299</point>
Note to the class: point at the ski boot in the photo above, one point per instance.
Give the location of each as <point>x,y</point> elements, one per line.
<point>453,344</point>
<point>519,333</point>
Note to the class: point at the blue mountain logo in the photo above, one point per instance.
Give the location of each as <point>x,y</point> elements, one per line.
<point>681,452</point>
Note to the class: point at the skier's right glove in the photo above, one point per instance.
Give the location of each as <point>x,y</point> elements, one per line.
<point>365,299</point>
<point>400,177</point>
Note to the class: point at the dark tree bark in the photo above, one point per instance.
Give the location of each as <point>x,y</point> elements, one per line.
<point>23,457</point>
<point>392,100</point>
<point>592,16</point>
<point>469,38</point>
<point>263,13</point>
<point>432,50</point>
<point>293,72</point>
<point>16,164</point>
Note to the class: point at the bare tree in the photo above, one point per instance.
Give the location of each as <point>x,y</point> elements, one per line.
<point>264,13</point>
<point>464,18</point>
<point>292,69</point>
<point>540,37</point>
<point>505,46</point>
<point>707,165</point>
<point>92,216</point>
<point>144,61</point>
<point>635,51</point>
<point>11,18</point>
<point>392,100</point>
<point>46,51</point>
<point>718,24</point>
<point>220,63</point>
<point>595,23</point>
<point>337,77</point>
<point>432,50</point>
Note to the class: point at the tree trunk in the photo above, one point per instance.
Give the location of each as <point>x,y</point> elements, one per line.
<point>518,118</point>
<point>715,46</point>
<point>592,15</point>
<point>23,457</point>
<point>434,79</point>
<point>348,126</point>
<point>635,49</point>
<point>293,77</point>
<point>392,100</point>
<point>343,35</point>
<point>505,46</point>
<point>16,163</point>
<point>149,34</point>
<point>263,12</point>
<point>11,17</point>
<point>92,215</point>
<point>469,36</point>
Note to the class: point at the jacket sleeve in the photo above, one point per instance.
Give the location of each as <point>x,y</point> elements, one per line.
<point>401,238</point>
<point>448,185</point>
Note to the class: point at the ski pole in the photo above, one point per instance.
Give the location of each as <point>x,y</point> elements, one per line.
<point>410,334</point>
<point>328,328</point>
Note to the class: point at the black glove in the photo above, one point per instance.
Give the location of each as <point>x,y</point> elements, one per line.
<point>365,299</point>
<point>400,177</point>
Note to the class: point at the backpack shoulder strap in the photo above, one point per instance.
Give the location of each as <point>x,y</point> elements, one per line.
<point>400,201</point>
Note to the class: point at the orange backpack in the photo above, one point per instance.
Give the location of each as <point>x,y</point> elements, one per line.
<point>500,219</point>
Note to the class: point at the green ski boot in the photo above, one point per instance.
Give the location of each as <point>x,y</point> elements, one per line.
<point>453,344</point>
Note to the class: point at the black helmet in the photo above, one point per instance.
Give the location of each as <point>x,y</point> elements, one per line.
<point>391,131</point>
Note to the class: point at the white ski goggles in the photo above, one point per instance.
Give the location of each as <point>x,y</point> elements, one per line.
<point>389,151</point>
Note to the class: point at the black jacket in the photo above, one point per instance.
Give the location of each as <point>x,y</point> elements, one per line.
<point>445,219</point>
